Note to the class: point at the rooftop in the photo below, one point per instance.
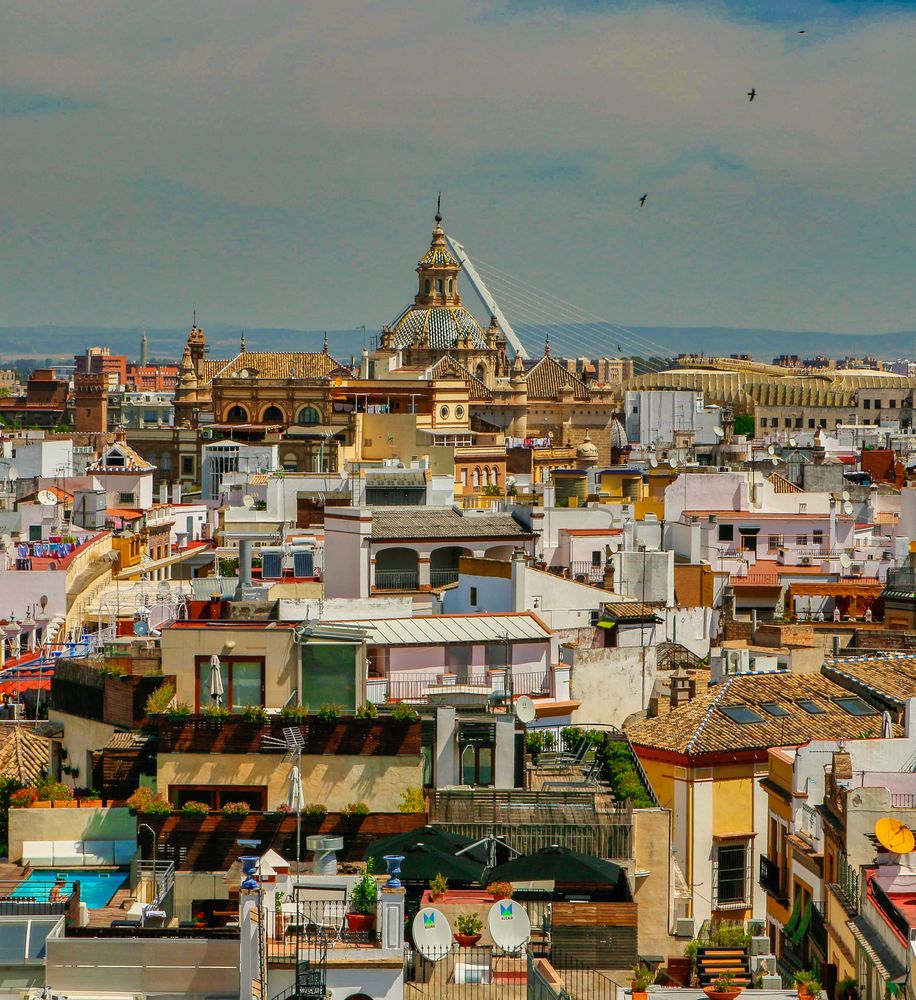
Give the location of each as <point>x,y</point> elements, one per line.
<point>444,522</point>
<point>456,628</point>
<point>891,678</point>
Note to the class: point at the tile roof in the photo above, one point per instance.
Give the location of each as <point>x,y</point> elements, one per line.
<point>62,495</point>
<point>282,365</point>
<point>438,327</point>
<point>447,366</point>
<point>701,727</point>
<point>442,522</point>
<point>208,368</point>
<point>892,678</point>
<point>23,755</point>
<point>546,378</point>
<point>135,462</point>
<point>623,610</point>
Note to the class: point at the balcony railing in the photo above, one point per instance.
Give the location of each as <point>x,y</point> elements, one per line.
<point>397,579</point>
<point>896,919</point>
<point>773,880</point>
<point>415,687</point>
<point>846,886</point>
<point>441,577</point>
<point>593,573</point>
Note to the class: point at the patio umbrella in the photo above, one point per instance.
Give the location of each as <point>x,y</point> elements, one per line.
<point>294,799</point>
<point>431,836</point>
<point>216,680</point>
<point>422,864</point>
<point>887,726</point>
<point>558,864</point>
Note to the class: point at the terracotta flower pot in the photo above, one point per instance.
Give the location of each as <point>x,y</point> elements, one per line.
<point>715,994</point>
<point>68,804</point>
<point>360,923</point>
<point>41,804</point>
<point>466,940</point>
<point>90,803</point>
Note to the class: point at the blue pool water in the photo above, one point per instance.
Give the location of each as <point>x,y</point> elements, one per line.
<point>96,888</point>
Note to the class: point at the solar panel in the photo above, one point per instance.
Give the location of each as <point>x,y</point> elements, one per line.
<point>303,563</point>
<point>272,565</point>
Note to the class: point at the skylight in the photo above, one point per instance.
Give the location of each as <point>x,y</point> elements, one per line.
<point>741,714</point>
<point>855,706</point>
<point>778,711</point>
<point>811,707</point>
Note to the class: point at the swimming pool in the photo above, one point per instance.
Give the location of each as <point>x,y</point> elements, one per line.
<point>96,888</point>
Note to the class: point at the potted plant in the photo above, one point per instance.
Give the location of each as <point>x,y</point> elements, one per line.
<point>279,925</point>
<point>24,798</point>
<point>200,919</point>
<point>355,809</point>
<point>193,808</point>
<point>642,977</point>
<point>363,898</point>
<point>468,930</point>
<point>254,713</point>
<point>807,984</point>
<point>438,887</point>
<point>723,987</point>
<point>847,989</point>
<point>404,713</point>
<point>500,890</point>
<point>236,809</point>
<point>89,799</point>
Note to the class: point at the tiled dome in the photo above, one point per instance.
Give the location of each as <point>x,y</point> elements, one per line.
<point>439,327</point>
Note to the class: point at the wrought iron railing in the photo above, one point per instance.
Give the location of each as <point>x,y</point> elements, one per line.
<point>773,880</point>
<point>397,579</point>
<point>847,883</point>
<point>442,577</point>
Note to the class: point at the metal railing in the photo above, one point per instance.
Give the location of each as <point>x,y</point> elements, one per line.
<point>304,924</point>
<point>397,579</point>
<point>903,800</point>
<point>847,883</point>
<point>884,903</point>
<point>160,875</point>
<point>593,573</point>
<point>773,879</point>
<point>442,577</point>
<point>414,687</point>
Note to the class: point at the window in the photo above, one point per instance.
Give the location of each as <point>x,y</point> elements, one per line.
<point>740,714</point>
<point>272,415</point>
<point>811,707</point>
<point>787,422</point>
<point>730,876</point>
<point>823,423</point>
<point>126,498</point>
<point>877,404</point>
<point>477,765</point>
<point>165,462</point>
<point>811,422</point>
<point>464,477</point>
<point>774,542</point>
<point>237,414</point>
<point>187,465</point>
<point>818,537</point>
<point>593,618</point>
<point>426,286</point>
<point>309,415</point>
<point>801,539</point>
<point>777,711</point>
<point>243,682</point>
<point>726,532</point>
<point>473,597</point>
<point>867,404</point>
<point>451,285</point>
<point>855,706</point>
<point>774,421</point>
<point>596,557</point>
<point>892,403</point>
<point>798,421</point>
<point>439,286</point>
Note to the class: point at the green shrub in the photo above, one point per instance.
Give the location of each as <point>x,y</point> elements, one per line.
<point>316,809</point>
<point>367,711</point>
<point>356,809</point>
<point>255,713</point>
<point>438,886</point>
<point>54,791</point>
<point>23,798</point>
<point>138,799</point>
<point>328,712</point>
<point>404,713</point>
<point>468,923</point>
<point>294,713</point>
<point>364,894</point>
<point>216,712</point>
<point>195,809</point>
<point>160,699</point>
<point>180,710</point>
<point>412,801</point>
<point>156,806</point>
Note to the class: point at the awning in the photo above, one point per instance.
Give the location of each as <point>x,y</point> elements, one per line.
<point>314,430</point>
<point>886,964</point>
<point>790,927</point>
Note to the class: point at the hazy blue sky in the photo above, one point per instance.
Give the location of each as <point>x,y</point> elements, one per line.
<point>277,163</point>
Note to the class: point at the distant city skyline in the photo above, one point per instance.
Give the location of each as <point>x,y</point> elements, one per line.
<point>278,165</point>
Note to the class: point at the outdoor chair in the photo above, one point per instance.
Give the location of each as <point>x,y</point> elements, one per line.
<point>564,759</point>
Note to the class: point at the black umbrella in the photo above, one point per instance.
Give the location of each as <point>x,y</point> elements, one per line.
<point>558,864</point>
<point>431,836</point>
<point>423,863</point>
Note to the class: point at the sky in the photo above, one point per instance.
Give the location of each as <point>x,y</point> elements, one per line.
<point>276,164</point>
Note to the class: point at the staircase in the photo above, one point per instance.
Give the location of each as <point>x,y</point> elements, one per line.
<point>712,962</point>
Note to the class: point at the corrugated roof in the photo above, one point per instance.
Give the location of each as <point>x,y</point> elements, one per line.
<point>701,726</point>
<point>442,522</point>
<point>435,629</point>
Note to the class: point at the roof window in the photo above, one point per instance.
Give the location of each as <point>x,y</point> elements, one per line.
<point>811,707</point>
<point>855,706</point>
<point>777,711</point>
<point>741,714</point>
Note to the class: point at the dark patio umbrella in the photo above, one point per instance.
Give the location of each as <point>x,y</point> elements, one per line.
<point>431,836</point>
<point>422,864</point>
<point>558,864</point>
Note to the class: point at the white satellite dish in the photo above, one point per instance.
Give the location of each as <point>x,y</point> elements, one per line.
<point>248,501</point>
<point>653,461</point>
<point>46,498</point>
<point>848,508</point>
<point>509,925</point>
<point>141,628</point>
<point>243,373</point>
<point>844,495</point>
<point>719,433</point>
<point>845,560</point>
<point>13,474</point>
<point>771,449</point>
<point>525,711</point>
<point>7,539</point>
<point>432,935</point>
<point>672,462</point>
<point>774,460</point>
<point>793,443</point>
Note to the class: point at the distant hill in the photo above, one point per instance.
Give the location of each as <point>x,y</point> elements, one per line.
<point>60,343</point>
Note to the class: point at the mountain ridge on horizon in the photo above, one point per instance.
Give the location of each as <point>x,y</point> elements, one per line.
<point>574,340</point>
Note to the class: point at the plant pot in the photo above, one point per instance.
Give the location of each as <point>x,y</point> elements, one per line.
<point>40,804</point>
<point>360,923</point>
<point>638,994</point>
<point>90,803</point>
<point>466,940</point>
<point>715,994</point>
<point>69,804</point>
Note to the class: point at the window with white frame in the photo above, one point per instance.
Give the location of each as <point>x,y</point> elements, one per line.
<point>731,875</point>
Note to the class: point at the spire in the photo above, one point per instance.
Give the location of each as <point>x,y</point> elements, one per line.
<point>438,270</point>
<point>547,346</point>
<point>325,348</point>
<point>439,210</point>
<point>187,376</point>
<point>242,343</point>
<point>144,350</point>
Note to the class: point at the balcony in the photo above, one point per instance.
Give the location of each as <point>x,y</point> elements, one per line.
<point>416,687</point>
<point>439,577</point>
<point>773,880</point>
<point>587,572</point>
<point>397,580</point>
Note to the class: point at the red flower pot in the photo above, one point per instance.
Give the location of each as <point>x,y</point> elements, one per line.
<point>360,923</point>
<point>466,940</point>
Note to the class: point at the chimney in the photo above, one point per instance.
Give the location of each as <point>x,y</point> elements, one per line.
<point>683,687</point>
<point>244,568</point>
<point>176,493</point>
<point>836,645</point>
<point>608,581</point>
<point>364,364</point>
<point>163,493</point>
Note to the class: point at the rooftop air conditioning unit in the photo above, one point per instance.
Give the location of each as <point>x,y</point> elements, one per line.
<point>684,927</point>
<point>206,434</point>
<point>806,560</point>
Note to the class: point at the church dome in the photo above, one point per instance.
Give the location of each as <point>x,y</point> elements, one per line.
<point>588,449</point>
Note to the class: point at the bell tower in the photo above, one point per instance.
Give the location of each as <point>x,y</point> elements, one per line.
<point>438,271</point>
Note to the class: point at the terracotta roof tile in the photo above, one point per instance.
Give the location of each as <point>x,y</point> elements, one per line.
<point>445,522</point>
<point>23,755</point>
<point>892,678</point>
<point>548,377</point>
<point>447,367</point>
<point>282,365</point>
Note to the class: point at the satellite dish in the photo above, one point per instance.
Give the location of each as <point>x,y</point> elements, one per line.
<point>848,508</point>
<point>525,711</point>
<point>774,460</point>
<point>141,628</point>
<point>43,601</point>
<point>672,462</point>
<point>164,588</point>
<point>653,461</point>
<point>46,498</point>
<point>432,935</point>
<point>845,560</point>
<point>243,373</point>
<point>894,836</point>
<point>13,474</point>
<point>771,449</point>
<point>793,443</point>
<point>719,433</point>
<point>248,501</point>
<point>509,925</point>
<point>7,540</point>
<point>52,565</point>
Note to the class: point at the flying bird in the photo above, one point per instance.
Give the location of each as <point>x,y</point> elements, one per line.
<point>642,200</point>
<point>752,93</point>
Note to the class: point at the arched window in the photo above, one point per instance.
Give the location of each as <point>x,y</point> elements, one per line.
<point>309,415</point>
<point>494,476</point>
<point>475,479</point>
<point>272,415</point>
<point>481,372</point>
<point>486,477</point>
<point>290,462</point>
<point>426,286</point>
<point>237,414</point>
<point>450,285</point>
<point>439,288</point>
